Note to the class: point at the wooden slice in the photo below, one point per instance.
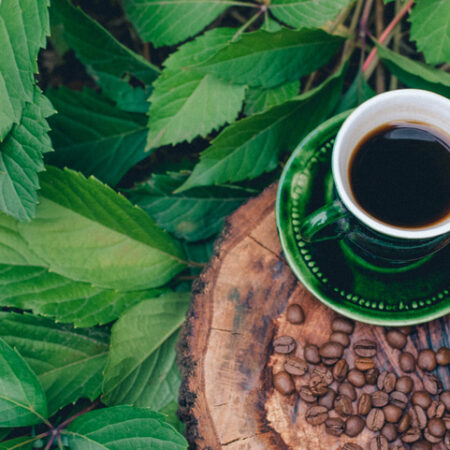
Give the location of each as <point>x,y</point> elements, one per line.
<point>225,351</point>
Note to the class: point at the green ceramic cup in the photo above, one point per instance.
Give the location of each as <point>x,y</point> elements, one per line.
<point>375,241</point>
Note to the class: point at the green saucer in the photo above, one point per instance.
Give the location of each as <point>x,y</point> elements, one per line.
<point>330,270</point>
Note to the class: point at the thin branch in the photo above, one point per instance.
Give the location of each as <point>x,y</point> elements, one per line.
<point>363,30</point>
<point>380,84</point>
<point>78,414</point>
<point>393,84</point>
<point>34,438</point>
<point>252,19</point>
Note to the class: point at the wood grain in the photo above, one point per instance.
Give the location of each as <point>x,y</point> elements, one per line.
<point>225,350</point>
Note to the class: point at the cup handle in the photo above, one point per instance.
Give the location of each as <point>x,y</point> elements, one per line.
<point>328,222</point>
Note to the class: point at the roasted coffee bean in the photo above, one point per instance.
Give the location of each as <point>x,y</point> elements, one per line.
<point>379,443</point>
<point>389,432</point>
<point>380,399</point>
<point>436,427</point>
<point>324,373</point>
<point>392,413</point>
<point>343,405</point>
<point>331,350</point>
<point>432,384</point>
<point>311,354</point>
<point>351,446</point>
<point>386,382</point>
<point>405,330</point>
<point>447,440</point>
<point>317,386</point>
<point>398,447</point>
<point>421,445</point>
<point>446,420</point>
<point>334,426</point>
<point>340,370</point>
<point>327,400</point>
<point>364,404</point>
<point>421,417</point>
<point>356,377</point>
<point>364,364</point>
<point>343,325</point>
<point>284,344</point>
<point>443,356</point>
<point>348,390</point>
<point>430,438</point>
<point>341,338</point>
<point>330,361</point>
<point>436,410</point>
<point>365,348</point>
<point>353,426</point>
<point>411,435</point>
<point>404,384</point>
<point>404,423</point>
<point>445,399</point>
<point>399,399</point>
<point>372,376</point>
<point>295,314</point>
<point>283,383</point>
<point>296,366</point>
<point>306,394</point>
<point>316,415</point>
<point>421,398</point>
<point>375,419</point>
<point>407,362</point>
<point>426,360</point>
<point>396,339</point>
<point>413,415</point>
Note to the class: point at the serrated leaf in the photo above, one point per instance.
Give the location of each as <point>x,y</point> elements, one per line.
<point>6,110</point>
<point>358,92</point>
<point>185,103</point>
<point>22,398</point>
<point>67,301</point>
<point>268,59</point>
<point>306,13</point>
<point>106,59</point>
<point>430,28</point>
<point>415,74</point>
<point>260,99</point>
<point>167,22</point>
<point>135,338</point>
<point>170,413</point>
<point>92,135</point>
<point>67,362</point>
<point>124,428</point>
<point>87,232</point>
<point>252,146</point>
<point>194,215</point>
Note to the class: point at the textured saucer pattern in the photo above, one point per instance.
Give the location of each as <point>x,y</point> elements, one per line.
<point>330,270</point>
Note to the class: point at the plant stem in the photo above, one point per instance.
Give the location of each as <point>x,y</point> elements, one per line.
<point>238,3</point>
<point>380,84</point>
<point>351,43</point>
<point>363,27</point>
<point>387,32</point>
<point>396,46</point>
<point>262,10</point>
<point>78,414</point>
<point>34,438</point>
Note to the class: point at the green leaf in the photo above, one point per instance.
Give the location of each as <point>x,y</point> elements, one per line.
<point>306,13</point>
<point>186,103</point>
<point>268,59</point>
<point>194,215</point>
<point>430,28</point>
<point>67,301</point>
<point>136,351</point>
<point>170,413</point>
<point>358,92</point>
<point>68,362</point>
<point>252,146</point>
<point>123,428</point>
<point>105,57</point>
<point>87,232</point>
<point>93,136</point>
<point>167,22</point>
<point>260,99</point>
<point>23,442</point>
<point>415,74</point>
<point>21,158</point>
<point>22,398</point>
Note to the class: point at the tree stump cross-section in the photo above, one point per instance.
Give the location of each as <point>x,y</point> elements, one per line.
<point>225,349</point>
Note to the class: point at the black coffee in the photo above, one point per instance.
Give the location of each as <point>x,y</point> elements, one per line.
<point>400,174</point>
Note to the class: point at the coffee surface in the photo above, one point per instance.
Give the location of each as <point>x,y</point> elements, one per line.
<point>400,174</point>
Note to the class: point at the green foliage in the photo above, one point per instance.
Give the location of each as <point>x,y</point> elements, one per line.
<point>186,103</point>
<point>124,428</point>
<point>22,398</point>
<point>268,59</point>
<point>67,362</point>
<point>430,29</point>
<point>358,92</point>
<point>93,136</point>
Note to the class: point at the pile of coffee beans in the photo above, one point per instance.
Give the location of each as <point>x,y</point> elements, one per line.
<point>400,415</point>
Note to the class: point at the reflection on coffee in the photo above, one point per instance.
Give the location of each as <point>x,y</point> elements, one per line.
<point>400,174</point>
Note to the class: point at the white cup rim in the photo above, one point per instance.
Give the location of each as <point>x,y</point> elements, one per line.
<point>363,112</point>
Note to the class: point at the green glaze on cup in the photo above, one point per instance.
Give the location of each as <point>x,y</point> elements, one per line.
<point>330,270</point>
